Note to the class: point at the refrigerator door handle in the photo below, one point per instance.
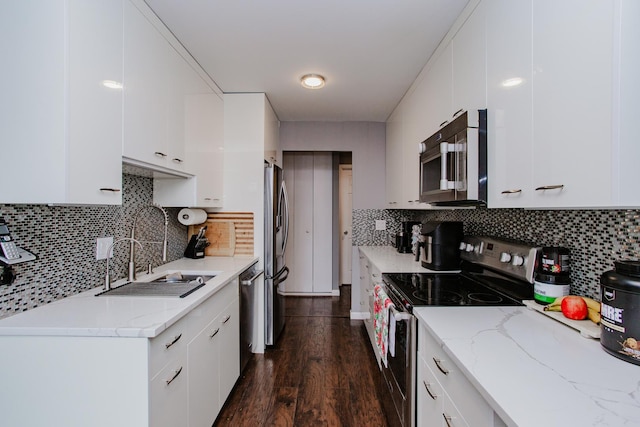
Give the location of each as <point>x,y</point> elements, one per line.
<point>285,198</point>
<point>277,279</point>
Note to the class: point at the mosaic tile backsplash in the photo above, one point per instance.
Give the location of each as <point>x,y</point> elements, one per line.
<point>64,239</point>
<point>596,238</point>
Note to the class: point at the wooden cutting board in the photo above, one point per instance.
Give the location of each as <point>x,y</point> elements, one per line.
<point>222,236</point>
<point>587,328</point>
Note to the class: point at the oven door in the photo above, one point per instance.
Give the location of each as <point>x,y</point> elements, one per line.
<point>398,377</point>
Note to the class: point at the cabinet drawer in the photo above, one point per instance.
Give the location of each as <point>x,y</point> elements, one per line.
<point>168,345</point>
<point>214,305</point>
<point>429,397</point>
<point>168,395</point>
<point>467,399</point>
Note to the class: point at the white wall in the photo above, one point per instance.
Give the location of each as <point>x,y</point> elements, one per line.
<point>366,140</point>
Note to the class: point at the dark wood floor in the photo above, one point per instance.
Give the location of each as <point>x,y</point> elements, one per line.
<point>321,372</point>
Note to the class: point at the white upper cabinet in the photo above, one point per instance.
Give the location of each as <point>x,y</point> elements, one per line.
<point>509,103</point>
<point>158,83</point>
<point>470,64</point>
<point>393,159</point>
<point>59,120</point>
<point>438,92</point>
<point>572,51</point>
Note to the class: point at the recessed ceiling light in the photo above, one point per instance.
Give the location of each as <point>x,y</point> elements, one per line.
<point>312,81</point>
<point>516,81</point>
<point>111,84</point>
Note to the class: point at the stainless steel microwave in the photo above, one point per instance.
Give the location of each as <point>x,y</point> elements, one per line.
<point>453,162</point>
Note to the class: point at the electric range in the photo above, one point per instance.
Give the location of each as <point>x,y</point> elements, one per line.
<point>493,272</point>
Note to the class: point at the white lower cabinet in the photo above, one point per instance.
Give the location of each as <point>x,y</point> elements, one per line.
<point>178,378</point>
<point>370,276</point>
<point>444,395</point>
<point>214,365</point>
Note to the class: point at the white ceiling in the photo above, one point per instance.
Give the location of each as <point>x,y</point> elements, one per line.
<point>370,51</point>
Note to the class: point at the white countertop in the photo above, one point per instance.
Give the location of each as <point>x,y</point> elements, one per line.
<point>535,371</point>
<point>389,260</point>
<point>120,316</point>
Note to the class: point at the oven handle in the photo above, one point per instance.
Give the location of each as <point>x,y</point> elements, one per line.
<point>400,315</point>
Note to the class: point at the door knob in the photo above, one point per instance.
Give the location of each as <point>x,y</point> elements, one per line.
<point>345,233</point>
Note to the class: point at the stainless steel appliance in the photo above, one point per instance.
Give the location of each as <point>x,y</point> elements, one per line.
<point>439,242</point>
<point>276,231</point>
<point>493,272</point>
<point>453,162</point>
<point>248,279</point>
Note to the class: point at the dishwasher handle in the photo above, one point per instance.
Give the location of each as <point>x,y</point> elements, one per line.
<point>249,282</point>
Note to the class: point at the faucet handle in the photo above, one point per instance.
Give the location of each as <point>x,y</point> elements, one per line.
<point>149,268</point>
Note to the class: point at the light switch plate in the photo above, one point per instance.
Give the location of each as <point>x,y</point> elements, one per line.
<point>102,247</point>
<point>381,224</point>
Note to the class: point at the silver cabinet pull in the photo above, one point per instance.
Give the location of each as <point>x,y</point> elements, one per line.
<point>226,319</point>
<point>214,333</point>
<point>447,419</point>
<point>514,191</point>
<point>431,394</point>
<point>175,375</point>
<point>113,190</point>
<point>160,154</point>
<point>173,341</point>
<point>444,123</point>
<point>177,160</point>
<point>457,112</point>
<point>208,199</point>
<point>550,187</point>
<point>442,369</point>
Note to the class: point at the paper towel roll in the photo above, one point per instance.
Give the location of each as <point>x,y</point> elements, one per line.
<point>192,216</point>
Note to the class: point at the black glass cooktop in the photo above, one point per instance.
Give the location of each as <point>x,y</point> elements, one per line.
<point>452,289</point>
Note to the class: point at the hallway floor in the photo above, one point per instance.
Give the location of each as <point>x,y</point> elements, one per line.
<point>321,372</point>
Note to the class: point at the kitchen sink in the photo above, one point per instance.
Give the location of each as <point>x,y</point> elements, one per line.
<point>171,285</point>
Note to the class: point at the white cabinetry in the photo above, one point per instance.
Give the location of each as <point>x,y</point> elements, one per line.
<point>572,100</point>
<point>179,378</point>
<point>443,392</point>
<point>370,276</point>
<point>393,159</point>
<point>59,121</point>
<point>158,82</point>
<point>204,140</point>
<point>509,103</point>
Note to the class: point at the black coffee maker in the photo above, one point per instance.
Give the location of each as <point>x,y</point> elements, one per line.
<point>403,237</point>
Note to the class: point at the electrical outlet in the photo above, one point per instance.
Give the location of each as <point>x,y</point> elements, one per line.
<point>102,247</point>
<point>381,224</point>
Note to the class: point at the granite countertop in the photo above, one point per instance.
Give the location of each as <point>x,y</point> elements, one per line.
<point>535,371</point>
<point>388,260</point>
<point>85,314</point>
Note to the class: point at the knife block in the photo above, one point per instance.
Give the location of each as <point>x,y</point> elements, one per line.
<point>195,248</point>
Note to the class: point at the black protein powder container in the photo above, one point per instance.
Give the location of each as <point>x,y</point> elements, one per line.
<point>620,324</point>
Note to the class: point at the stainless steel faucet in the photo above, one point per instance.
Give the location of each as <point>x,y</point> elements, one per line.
<point>107,278</point>
<point>132,253</point>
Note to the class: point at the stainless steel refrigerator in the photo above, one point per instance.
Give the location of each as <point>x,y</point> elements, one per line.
<point>276,231</point>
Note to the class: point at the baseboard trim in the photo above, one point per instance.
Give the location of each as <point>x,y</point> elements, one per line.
<point>359,315</point>
<point>313,294</point>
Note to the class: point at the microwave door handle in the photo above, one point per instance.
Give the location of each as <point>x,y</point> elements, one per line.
<point>445,148</point>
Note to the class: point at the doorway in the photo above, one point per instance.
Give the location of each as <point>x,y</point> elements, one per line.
<point>345,184</point>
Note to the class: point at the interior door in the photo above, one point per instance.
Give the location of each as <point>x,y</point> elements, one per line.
<point>345,206</point>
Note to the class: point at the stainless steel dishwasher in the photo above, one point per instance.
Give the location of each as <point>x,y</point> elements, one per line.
<point>247,312</point>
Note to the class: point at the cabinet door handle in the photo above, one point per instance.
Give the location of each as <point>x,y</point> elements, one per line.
<point>444,123</point>
<point>447,419</point>
<point>113,190</point>
<point>457,112</point>
<point>174,376</point>
<point>177,160</point>
<point>442,369</point>
<point>160,154</point>
<point>173,341</point>
<point>214,333</point>
<point>226,319</point>
<point>550,187</point>
<point>514,191</point>
<point>431,394</point>
<point>208,199</point>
